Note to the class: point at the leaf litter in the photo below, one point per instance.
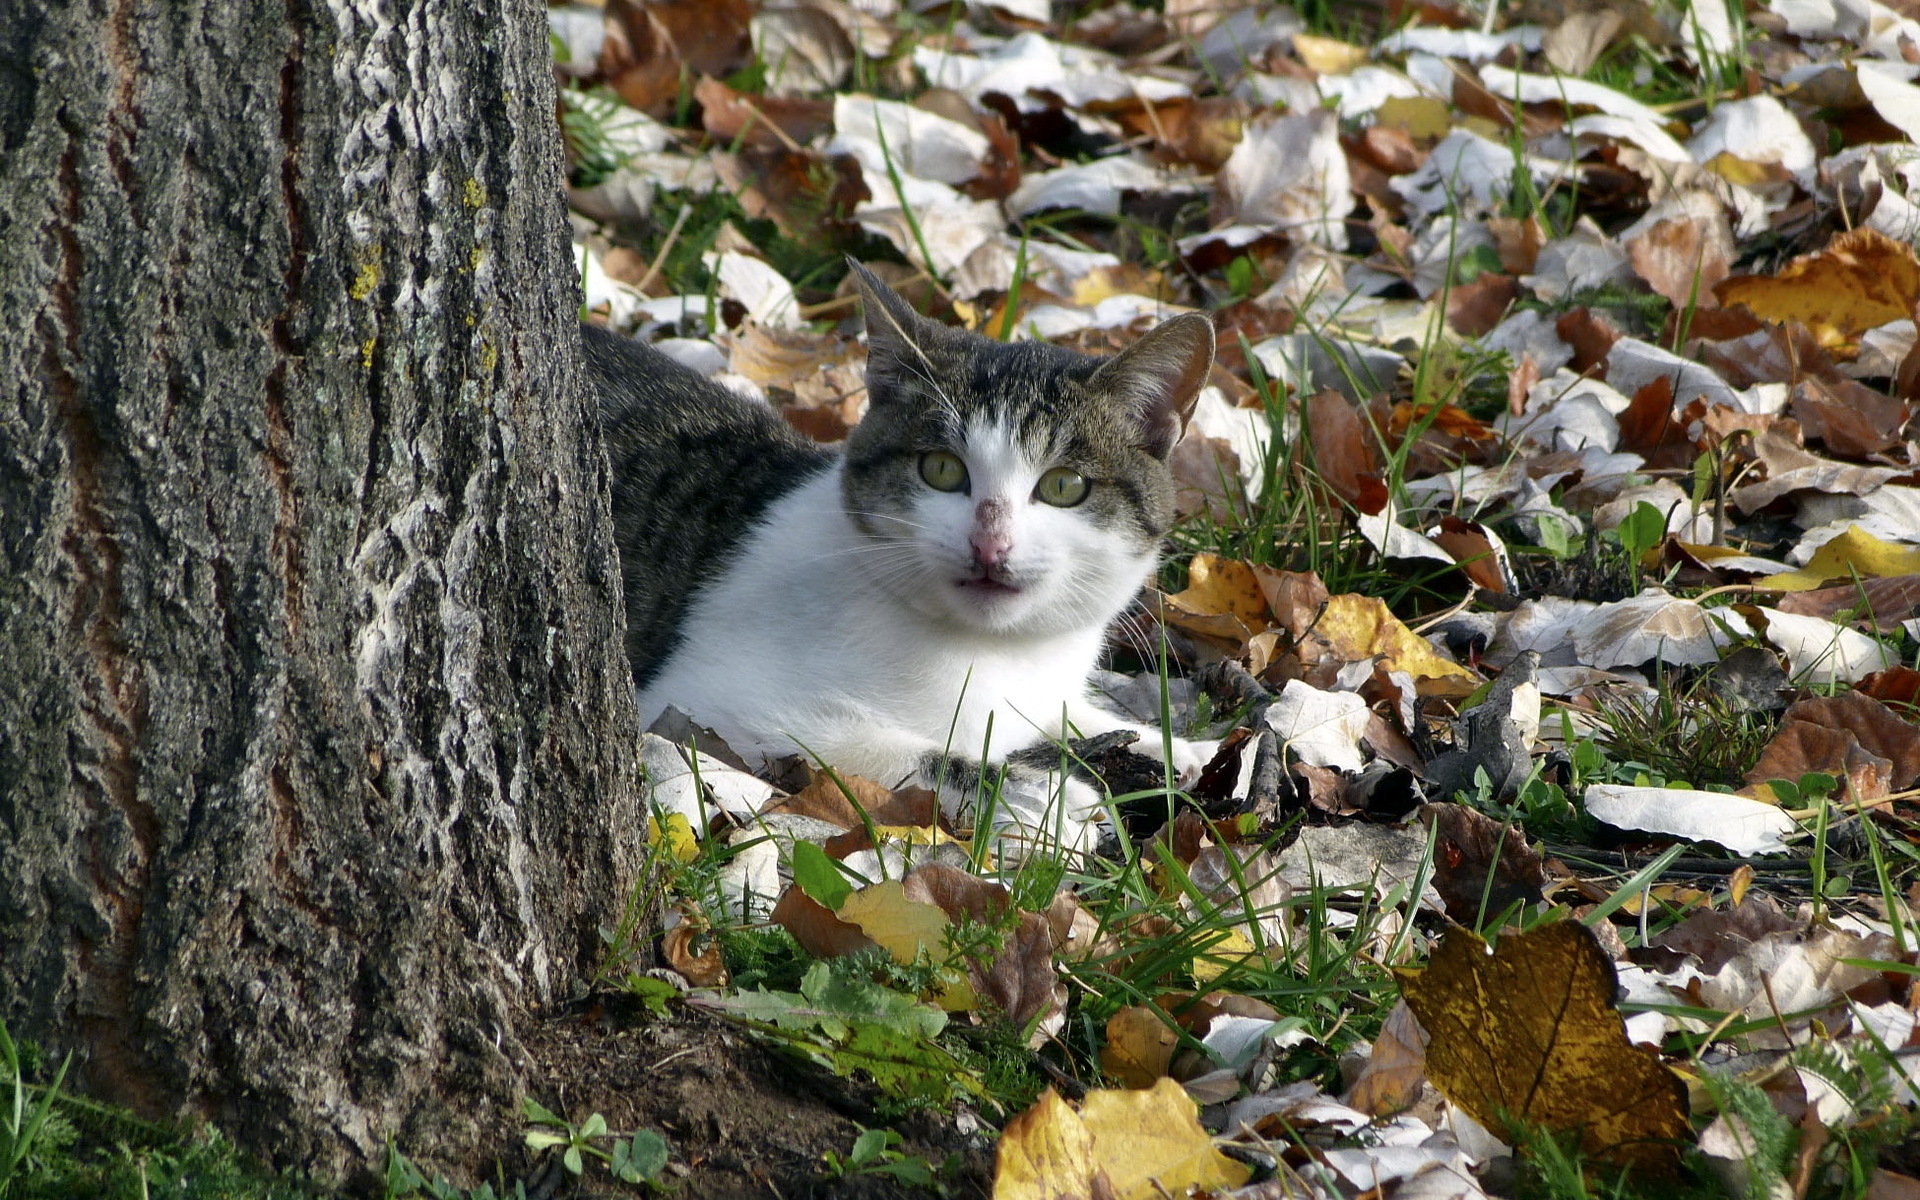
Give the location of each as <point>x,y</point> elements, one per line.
<point>1571,353</point>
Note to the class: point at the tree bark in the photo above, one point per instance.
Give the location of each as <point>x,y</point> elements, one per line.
<point>317,745</point>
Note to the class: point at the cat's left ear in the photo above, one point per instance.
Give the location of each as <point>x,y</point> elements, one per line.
<point>1159,377</point>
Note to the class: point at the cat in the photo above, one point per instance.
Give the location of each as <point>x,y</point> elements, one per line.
<point>924,606</point>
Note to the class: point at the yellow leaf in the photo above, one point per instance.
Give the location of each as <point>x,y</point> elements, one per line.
<point>676,836</point>
<point>1738,883</point>
<point>1151,1145</point>
<point>1223,586</point>
<point>1213,962</point>
<point>1045,1153</point>
<point>1529,1033</point>
<point>1862,280</point>
<point>1123,1145</point>
<point>1420,116</point>
<point>1329,56</point>
<point>907,929</point>
<point>1855,552</point>
<point>1139,1046</point>
<point>1361,627</point>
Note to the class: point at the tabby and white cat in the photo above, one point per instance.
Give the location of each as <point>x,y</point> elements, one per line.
<point>932,599</point>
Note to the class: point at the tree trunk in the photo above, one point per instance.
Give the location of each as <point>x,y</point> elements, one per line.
<point>317,745</point>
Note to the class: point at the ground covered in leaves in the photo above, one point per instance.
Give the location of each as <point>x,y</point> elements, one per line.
<point>1549,568</point>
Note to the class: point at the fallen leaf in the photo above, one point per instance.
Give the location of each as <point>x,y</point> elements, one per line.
<point>1151,1145</point>
<point>1359,627</point>
<point>1481,868</point>
<point>1862,280</point>
<point>1654,625</point>
<point>1741,825</point>
<point>1140,1043</point>
<point>1874,727</point>
<point>1818,652</point>
<point>1854,553</point>
<point>1528,1032</point>
<point>1343,451</point>
<point>1318,727</point>
<point>1121,1145</point>
<point>1396,1069</point>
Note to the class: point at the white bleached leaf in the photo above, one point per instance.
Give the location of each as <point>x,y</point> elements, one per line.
<point>1046,322</point>
<point>1322,728</point>
<point>1510,84</point>
<point>1633,364</point>
<point>1736,823</point>
<point>1643,133</point>
<point>676,788</point>
<point>1821,653</point>
<point>761,290</point>
<point>1391,539</point>
<point>951,225</point>
<point>1758,129</point>
<point>1544,626</point>
<point>1468,45</point>
<point>1031,63</point>
<point>579,30</point>
<point>1248,431</point>
<point>1476,173</point>
<point>1095,187</point>
<point>1888,89</point>
<point>805,50</point>
<point>1245,34</point>
<point>1655,626</point>
<point>1707,34</point>
<point>885,134</point>
<point>1361,91</point>
<point>1289,173</point>
<point>1586,258</point>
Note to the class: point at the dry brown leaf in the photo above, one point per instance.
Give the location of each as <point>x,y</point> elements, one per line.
<point>1343,451</point>
<point>690,948</point>
<point>1206,477</point>
<point>1529,1032</point>
<point>827,799</point>
<point>1791,468</point>
<point>1848,417</point>
<point>1862,280</point>
<point>1899,686</point>
<point>1803,746</point>
<point>650,43</point>
<point>1480,866</point>
<point>1685,252</point>
<point>739,120</point>
<point>1877,729</point>
<point>1883,603</point>
<point>814,926</point>
<point>1475,309</point>
<point>1468,543</point>
<point>1395,1071</point>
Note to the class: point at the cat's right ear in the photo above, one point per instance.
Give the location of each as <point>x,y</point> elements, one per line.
<point>898,338</point>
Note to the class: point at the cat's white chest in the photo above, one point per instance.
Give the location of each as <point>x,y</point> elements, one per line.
<point>800,646</point>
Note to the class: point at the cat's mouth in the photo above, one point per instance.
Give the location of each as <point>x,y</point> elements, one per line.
<point>988,584</point>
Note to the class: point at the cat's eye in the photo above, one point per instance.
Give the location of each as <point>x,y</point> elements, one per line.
<point>1062,487</point>
<point>944,472</point>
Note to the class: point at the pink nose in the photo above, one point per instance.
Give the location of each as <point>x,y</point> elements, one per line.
<point>990,546</point>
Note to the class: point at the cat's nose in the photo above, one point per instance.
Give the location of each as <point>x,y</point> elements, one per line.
<point>991,546</point>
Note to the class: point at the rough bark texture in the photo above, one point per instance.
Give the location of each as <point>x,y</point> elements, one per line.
<point>316,737</point>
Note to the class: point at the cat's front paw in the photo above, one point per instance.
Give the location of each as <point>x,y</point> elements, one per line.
<point>1187,758</point>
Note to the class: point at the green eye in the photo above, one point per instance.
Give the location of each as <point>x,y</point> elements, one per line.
<point>1062,487</point>
<point>943,472</point>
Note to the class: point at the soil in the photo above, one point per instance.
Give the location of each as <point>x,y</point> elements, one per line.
<point>743,1119</point>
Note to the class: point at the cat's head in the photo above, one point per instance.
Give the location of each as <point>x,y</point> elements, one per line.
<point>1015,488</point>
